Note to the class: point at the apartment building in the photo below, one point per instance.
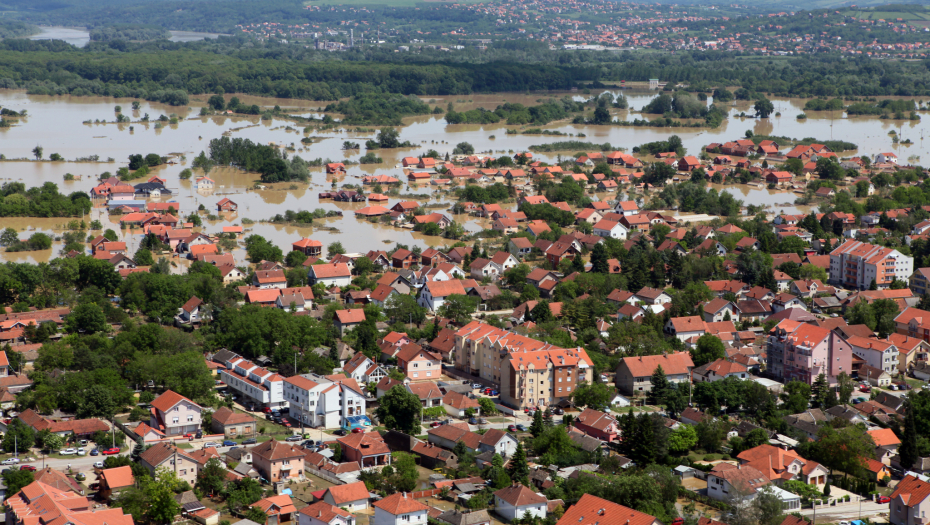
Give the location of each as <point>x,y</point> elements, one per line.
<point>803,351</point>
<point>328,402</point>
<point>479,348</point>
<point>543,377</point>
<point>913,322</point>
<point>856,264</point>
<point>254,384</point>
<point>634,374</point>
<point>882,355</point>
<point>919,282</point>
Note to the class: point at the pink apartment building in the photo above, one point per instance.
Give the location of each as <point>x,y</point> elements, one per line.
<point>803,351</point>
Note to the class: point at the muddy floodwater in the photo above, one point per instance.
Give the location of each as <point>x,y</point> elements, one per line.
<point>66,125</point>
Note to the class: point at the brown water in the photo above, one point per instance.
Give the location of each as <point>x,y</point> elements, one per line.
<point>55,123</point>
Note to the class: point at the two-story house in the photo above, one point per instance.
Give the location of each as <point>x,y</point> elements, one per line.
<point>719,370</point>
<point>189,314</point>
<point>418,364</point>
<point>499,442</point>
<point>174,414</point>
<point>352,497</point>
<point>322,513</point>
<point>781,465</point>
<point>597,424</point>
<point>634,374</point>
<point>727,481</point>
<point>909,503</point>
<point>168,456</point>
<point>278,461</point>
<point>320,401</point>
<point>399,509</point>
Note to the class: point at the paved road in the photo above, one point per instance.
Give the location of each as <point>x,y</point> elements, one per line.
<point>849,511</point>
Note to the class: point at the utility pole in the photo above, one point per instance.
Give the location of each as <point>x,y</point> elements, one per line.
<point>300,404</point>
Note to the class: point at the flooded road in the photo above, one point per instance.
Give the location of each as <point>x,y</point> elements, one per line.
<point>58,125</point>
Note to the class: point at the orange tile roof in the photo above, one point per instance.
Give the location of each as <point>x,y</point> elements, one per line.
<point>118,477</point>
<point>350,492</point>
<point>884,437</point>
<point>400,503</point>
<point>592,510</point>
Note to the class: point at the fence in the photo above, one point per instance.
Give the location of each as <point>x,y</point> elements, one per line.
<point>425,493</point>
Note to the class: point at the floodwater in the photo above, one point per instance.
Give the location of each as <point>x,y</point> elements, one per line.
<point>79,37</point>
<point>58,125</point>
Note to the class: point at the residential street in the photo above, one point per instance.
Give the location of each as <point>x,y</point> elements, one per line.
<point>849,511</point>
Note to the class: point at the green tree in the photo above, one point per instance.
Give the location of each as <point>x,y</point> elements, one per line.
<point>19,437</point>
<point>257,515</point>
<point>162,507</point>
<point>592,395</point>
<point>335,248</point>
<point>212,477</point>
<point>908,450</point>
<point>16,479</point>
<point>37,151</point>
<point>682,440</point>
<point>709,348</point>
<point>846,386</point>
<point>53,442</point>
<point>87,318</point>
<point>458,307</point>
<point>599,259</point>
<point>487,406</point>
<point>764,107</point>
<point>537,427</point>
<point>660,386</point>
<point>518,469</point>
<point>400,410</point>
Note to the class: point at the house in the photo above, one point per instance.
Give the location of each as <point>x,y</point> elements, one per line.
<point>516,501</point>
<point>226,205</point>
<point>368,449</point>
<point>330,275</point>
<point>165,455</point>
<point>611,229</point>
<point>349,319</point>
<point>720,310</point>
<point>520,246</point>
<point>727,481</point>
<point>719,370</point>
<point>597,424</point>
<point>399,509</point>
<point>592,510</point>
<point>909,503</point>
<point>322,513</point>
<point>232,424</point>
<point>456,404</point>
<point>352,497</point>
<point>308,247</point>
<point>279,509</point>
<point>204,183</point>
<point>823,349</point>
<point>39,503</point>
<point>634,374</point>
<point>780,465</point>
<point>886,444</point>
<point>403,258</point>
<point>418,364</point>
<point>434,294</point>
<point>174,414</point>
<point>189,314</point>
<point>114,480</point>
<point>653,296</point>
<point>856,265</point>
<point>883,158</point>
<point>278,461</point>
<point>456,517</point>
<point>498,442</point>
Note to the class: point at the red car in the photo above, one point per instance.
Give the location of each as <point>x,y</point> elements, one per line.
<point>111,451</point>
<point>188,435</point>
<point>30,468</point>
<point>884,499</point>
<point>678,521</point>
<point>435,424</point>
<point>266,410</point>
<point>358,430</point>
<point>512,428</point>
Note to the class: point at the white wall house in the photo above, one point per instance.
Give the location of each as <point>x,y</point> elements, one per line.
<point>399,509</point>
<point>516,501</point>
<point>330,274</point>
<point>321,402</point>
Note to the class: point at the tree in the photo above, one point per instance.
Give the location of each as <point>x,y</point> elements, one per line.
<point>53,442</point>
<point>768,507</point>
<point>335,248</point>
<point>400,410</point>
<point>212,477</point>
<point>709,348</point>
<point>487,406</point>
<point>846,387</point>
<point>682,440</point>
<point>908,449</point>
<point>820,392</point>
<point>518,469</point>
<point>764,107</point>
<point>660,386</point>
<point>463,148</point>
<point>37,151</point>
<point>257,515</point>
<point>537,427</point>
<point>458,307</point>
<point>87,318</point>
<point>16,479</point>
<point>242,493</point>
<point>592,395</point>
<point>295,258</point>
<point>19,437</point>
<point>162,507</point>
<point>599,259</point>
<point>9,237</point>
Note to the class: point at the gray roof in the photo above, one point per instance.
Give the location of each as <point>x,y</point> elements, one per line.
<point>224,355</point>
<point>454,517</point>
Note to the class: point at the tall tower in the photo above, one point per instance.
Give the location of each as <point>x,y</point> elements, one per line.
<point>351,38</point>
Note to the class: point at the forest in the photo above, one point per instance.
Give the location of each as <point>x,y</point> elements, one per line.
<point>378,109</point>
<point>41,201</point>
<point>128,32</point>
<point>16,29</point>
<point>247,155</point>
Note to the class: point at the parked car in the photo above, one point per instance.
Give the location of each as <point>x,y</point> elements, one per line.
<point>521,428</point>
<point>98,464</point>
<point>189,435</point>
<point>94,452</point>
<point>339,432</point>
<point>883,500</point>
<point>865,388</point>
<point>266,410</point>
<point>286,423</point>
<point>358,430</point>
<point>476,386</point>
<point>95,486</point>
<point>229,443</point>
<point>68,452</point>
<point>111,451</point>
<point>512,428</point>
<point>293,438</point>
<point>487,391</point>
<point>307,443</point>
<point>482,421</point>
<point>210,444</point>
<point>892,386</point>
<point>494,393</point>
<point>250,441</point>
<point>558,411</point>
<point>435,424</point>
<point>472,421</point>
<point>81,452</point>
<point>678,521</point>
<point>10,461</point>
<point>30,468</point>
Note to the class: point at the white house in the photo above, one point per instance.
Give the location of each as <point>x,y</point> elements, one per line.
<point>725,481</point>
<point>882,158</point>
<point>499,442</point>
<point>399,509</point>
<point>608,228</point>
<point>322,513</point>
<point>205,183</point>
<point>516,501</point>
<point>352,497</point>
<point>330,274</point>
<point>319,401</point>
<point>364,370</point>
<point>292,302</point>
<point>434,294</point>
<point>719,370</point>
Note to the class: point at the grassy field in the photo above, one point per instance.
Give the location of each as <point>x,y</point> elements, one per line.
<point>918,15</point>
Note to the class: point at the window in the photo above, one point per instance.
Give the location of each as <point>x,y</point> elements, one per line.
<point>174,420</point>
<point>183,471</point>
<point>190,419</point>
<point>416,374</point>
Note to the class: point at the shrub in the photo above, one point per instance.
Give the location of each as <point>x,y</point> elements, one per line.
<point>709,457</point>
